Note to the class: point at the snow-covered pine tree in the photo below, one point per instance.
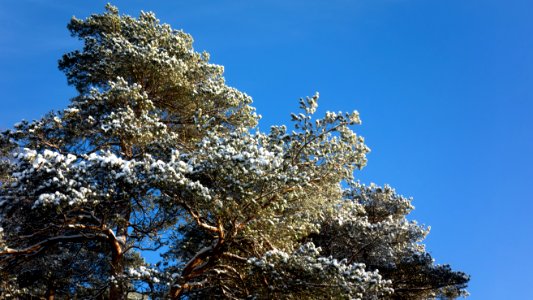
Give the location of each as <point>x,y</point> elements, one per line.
<point>157,152</point>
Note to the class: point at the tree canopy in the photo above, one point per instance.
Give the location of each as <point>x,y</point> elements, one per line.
<point>157,153</point>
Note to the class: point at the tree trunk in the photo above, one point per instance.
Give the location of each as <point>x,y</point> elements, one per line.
<point>50,293</point>
<point>117,288</point>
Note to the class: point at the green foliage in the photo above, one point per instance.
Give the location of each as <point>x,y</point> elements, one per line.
<point>158,153</point>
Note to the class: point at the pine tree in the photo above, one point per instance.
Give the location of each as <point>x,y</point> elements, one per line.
<point>158,153</point>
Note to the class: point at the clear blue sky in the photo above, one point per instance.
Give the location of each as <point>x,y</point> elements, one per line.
<point>445,90</point>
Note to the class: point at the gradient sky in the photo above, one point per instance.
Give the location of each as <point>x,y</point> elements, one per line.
<point>444,89</point>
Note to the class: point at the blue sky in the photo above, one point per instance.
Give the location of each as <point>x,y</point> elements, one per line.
<point>444,89</point>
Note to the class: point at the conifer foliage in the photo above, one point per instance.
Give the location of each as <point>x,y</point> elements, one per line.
<point>157,153</point>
